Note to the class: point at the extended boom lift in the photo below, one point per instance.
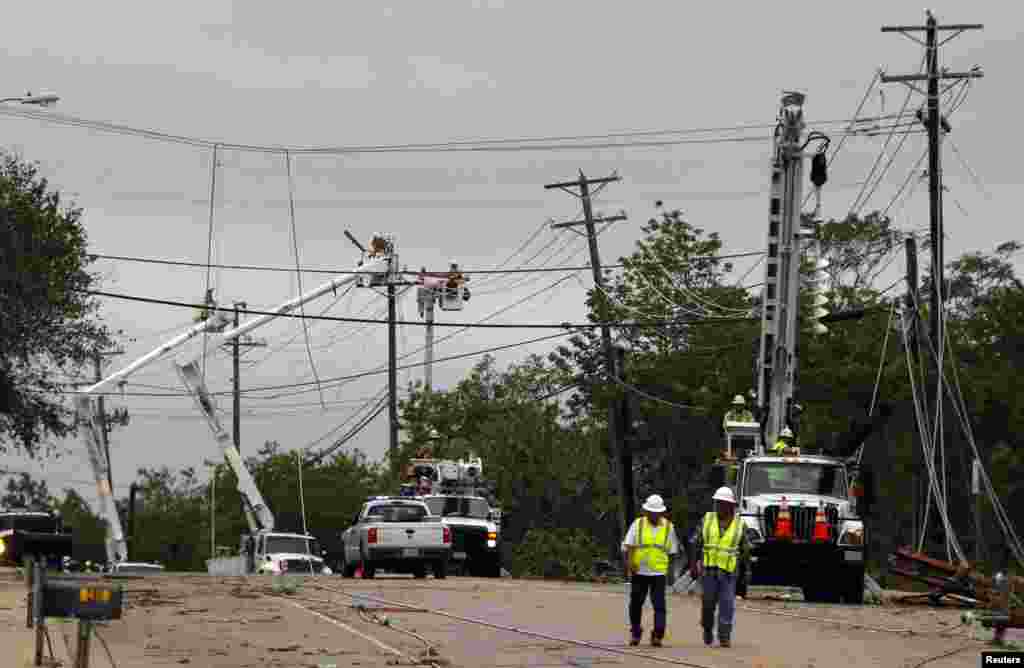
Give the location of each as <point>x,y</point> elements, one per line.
<point>259,517</point>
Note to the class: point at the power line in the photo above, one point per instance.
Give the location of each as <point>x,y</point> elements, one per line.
<point>521,144</point>
<point>339,272</point>
<point>564,325</point>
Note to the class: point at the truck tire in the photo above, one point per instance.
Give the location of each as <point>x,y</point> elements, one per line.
<point>441,569</point>
<point>853,591</point>
<point>419,571</point>
<point>348,571</point>
<point>491,569</point>
<point>368,570</point>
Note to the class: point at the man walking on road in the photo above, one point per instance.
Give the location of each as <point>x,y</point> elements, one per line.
<point>721,546</point>
<point>647,548</point>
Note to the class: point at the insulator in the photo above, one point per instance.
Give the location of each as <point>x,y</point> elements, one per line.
<point>819,170</point>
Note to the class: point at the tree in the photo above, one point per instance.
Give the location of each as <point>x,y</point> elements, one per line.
<point>89,531</point>
<point>25,492</point>
<point>49,325</point>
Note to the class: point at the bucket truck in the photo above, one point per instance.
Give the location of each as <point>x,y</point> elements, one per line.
<point>798,510</point>
<point>262,550</point>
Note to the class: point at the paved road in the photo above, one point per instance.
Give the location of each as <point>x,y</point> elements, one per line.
<point>237,622</point>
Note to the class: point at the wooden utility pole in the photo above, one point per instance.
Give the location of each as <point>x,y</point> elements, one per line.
<point>236,346</point>
<point>616,443</point>
<point>935,123</point>
<point>913,344</point>
<point>392,371</point>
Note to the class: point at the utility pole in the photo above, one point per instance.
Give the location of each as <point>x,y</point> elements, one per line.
<point>616,445</point>
<point>449,290</point>
<point>236,345</point>
<point>119,417</point>
<point>934,122</point>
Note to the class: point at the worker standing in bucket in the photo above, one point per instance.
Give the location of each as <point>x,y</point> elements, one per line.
<point>721,547</point>
<point>647,550</point>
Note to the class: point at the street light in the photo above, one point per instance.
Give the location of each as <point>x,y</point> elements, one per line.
<point>44,100</point>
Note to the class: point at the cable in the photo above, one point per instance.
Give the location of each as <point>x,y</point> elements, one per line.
<point>209,243</point>
<point>479,145</point>
<point>645,395</point>
<point>341,272</point>
<point>103,642</point>
<point>512,629</point>
<point>564,325</point>
<point>298,272</point>
<point>351,434</point>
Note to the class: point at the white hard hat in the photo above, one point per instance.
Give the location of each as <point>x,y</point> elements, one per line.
<point>724,494</point>
<point>654,504</point>
<point>785,433</point>
<point>738,400</point>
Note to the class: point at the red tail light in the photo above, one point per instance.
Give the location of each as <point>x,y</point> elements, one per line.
<point>371,535</point>
<point>447,534</point>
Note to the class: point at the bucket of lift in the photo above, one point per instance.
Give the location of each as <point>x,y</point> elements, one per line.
<point>454,295</point>
<point>742,439</point>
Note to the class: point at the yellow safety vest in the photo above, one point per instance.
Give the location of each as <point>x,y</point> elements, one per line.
<point>652,546</point>
<point>722,551</point>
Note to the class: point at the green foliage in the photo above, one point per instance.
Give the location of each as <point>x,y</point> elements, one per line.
<point>89,530</point>
<point>556,553</point>
<point>48,324</point>
<point>23,491</point>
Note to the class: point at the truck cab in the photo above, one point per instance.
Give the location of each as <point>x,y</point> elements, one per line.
<point>476,532</point>
<point>821,546</point>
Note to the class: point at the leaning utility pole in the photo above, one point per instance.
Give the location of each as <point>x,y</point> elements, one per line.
<point>101,412</point>
<point>935,122</point>
<point>616,443</point>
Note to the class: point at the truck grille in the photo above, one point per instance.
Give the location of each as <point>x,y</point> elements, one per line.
<point>803,520</point>
<point>301,566</point>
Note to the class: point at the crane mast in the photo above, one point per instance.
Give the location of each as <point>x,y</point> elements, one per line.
<point>777,361</point>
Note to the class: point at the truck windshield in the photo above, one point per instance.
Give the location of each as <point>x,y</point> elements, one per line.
<point>292,544</point>
<point>387,512</point>
<point>460,506</point>
<point>794,478</point>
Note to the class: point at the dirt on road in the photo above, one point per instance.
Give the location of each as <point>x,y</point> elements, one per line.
<point>199,620</point>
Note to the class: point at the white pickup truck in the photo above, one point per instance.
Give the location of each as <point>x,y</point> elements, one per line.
<point>399,535</point>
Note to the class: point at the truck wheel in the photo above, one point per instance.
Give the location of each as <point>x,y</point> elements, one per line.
<point>441,569</point>
<point>491,569</point>
<point>368,570</point>
<point>854,590</point>
<point>419,571</point>
<point>348,571</point>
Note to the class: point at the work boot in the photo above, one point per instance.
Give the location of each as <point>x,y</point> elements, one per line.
<point>656,638</point>
<point>724,642</point>
<point>709,637</point>
<point>635,636</point>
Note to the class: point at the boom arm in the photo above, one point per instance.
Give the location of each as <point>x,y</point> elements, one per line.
<point>117,548</point>
<point>256,510</point>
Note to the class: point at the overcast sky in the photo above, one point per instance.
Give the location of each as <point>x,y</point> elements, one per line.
<point>346,74</point>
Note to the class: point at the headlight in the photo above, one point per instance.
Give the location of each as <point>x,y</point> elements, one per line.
<point>327,571</point>
<point>854,536</point>
<point>3,546</point>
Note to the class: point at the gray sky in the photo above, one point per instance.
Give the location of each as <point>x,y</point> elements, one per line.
<point>304,73</point>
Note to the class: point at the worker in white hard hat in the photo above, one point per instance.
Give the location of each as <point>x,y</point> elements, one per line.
<point>739,411</point>
<point>647,550</point>
<point>721,546</point>
<point>785,441</point>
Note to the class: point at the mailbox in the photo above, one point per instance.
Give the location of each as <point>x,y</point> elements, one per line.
<point>84,599</point>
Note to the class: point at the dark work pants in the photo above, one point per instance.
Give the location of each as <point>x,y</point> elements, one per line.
<point>640,586</point>
<point>719,592</point>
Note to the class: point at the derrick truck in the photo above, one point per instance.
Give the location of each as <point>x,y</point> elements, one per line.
<point>799,510</point>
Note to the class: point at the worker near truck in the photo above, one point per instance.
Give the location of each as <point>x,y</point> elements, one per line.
<point>739,411</point>
<point>647,550</point>
<point>721,547</point>
<point>785,441</point>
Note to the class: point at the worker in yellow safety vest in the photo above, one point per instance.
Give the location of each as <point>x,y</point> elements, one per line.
<point>647,550</point>
<point>721,547</point>
<point>785,441</point>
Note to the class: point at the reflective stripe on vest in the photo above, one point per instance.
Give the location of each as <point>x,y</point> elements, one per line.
<point>652,546</point>
<point>721,551</point>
